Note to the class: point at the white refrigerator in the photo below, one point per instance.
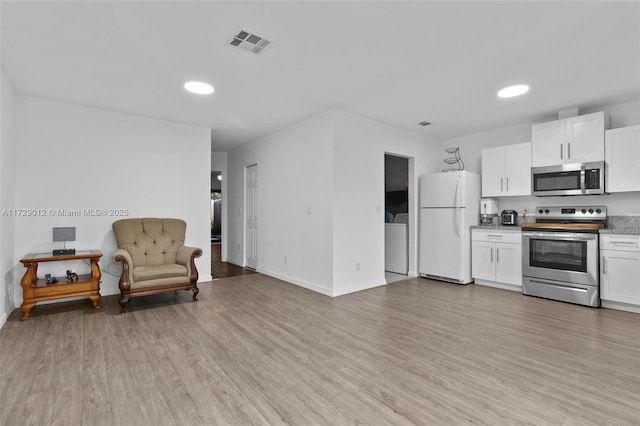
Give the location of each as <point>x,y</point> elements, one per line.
<point>449,206</point>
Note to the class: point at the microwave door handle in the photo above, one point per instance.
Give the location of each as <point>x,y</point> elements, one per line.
<point>582,180</point>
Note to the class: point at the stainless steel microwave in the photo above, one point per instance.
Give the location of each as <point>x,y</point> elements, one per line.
<point>568,179</point>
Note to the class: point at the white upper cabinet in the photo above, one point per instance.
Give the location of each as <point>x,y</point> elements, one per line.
<point>506,170</point>
<point>518,169</point>
<point>547,143</point>
<point>577,139</point>
<point>493,171</point>
<point>622,156</point>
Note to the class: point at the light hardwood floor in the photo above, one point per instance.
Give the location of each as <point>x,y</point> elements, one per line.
<point>255,350</point>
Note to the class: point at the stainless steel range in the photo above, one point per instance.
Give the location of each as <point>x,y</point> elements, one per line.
<point>560,254</point>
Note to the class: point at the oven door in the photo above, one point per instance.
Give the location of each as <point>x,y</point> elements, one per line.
<point>570,257</point>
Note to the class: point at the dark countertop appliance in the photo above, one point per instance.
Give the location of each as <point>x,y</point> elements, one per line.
<point>509,217</point>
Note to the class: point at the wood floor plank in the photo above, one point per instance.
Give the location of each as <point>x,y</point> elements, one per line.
<point>255,350</point>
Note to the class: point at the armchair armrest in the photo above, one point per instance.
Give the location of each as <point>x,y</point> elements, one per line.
<point>123,256</point>
<point>186,257</point>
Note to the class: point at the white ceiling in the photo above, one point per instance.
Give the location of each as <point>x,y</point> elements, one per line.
<point>395,62</point>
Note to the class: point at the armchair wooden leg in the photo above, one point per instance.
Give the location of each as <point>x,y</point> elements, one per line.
<point>124,298</point>
<point>196,290</point>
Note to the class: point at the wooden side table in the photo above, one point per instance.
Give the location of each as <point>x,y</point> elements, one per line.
<point>36,290</point>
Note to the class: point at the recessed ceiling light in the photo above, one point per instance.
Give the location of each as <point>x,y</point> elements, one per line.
<point>511,91</point>
<point>198,87</point>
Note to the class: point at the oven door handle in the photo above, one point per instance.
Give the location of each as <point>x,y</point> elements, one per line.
<point>571,236</point>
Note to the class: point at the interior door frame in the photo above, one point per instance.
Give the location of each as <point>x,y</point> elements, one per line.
<point>244,217</point>
<point>412,207</point>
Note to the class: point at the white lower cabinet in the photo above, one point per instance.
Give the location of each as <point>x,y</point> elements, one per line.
<point>620,271</point>
<point>496,258</point>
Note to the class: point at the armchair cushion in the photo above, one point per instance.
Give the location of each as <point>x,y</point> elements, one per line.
<point>154,272</point>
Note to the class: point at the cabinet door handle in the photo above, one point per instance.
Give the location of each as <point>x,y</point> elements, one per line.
<point>507,184</point>
<point>501,187</point>
<point>604,266</point>
<point>625,243</point>
<point>569,150</point>
<point>497,255</point>
<point>491,255</point>
<point>561,151</point>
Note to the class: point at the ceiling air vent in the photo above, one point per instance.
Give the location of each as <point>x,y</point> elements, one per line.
<point>249,42</point>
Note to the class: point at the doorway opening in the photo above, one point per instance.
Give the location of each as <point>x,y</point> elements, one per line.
<point>216,207</point>
<point>220,269</point>
<point>396,205</point>
<point>216,219</point>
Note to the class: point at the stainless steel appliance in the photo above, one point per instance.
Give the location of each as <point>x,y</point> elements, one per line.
<point>488,211</point>
<point>560,254</point>
<point>509,217</point>
<point>568,179</point>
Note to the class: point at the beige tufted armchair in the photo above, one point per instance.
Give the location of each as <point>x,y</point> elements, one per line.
<point>154,258</point>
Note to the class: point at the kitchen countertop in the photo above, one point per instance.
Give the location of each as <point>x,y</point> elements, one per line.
<point>498,227</point>
<point>622,225</point>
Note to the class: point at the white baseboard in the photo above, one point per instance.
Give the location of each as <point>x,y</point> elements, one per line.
<point>301,283</point>
<point>620,306</point>
<point>413,274</point>
<point>3,319</point>
<point>322,289</point>
<point>503,286</point>
<point>359,287</point>
<point>235,262</point>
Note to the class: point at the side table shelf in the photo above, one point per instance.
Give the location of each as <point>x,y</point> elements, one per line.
<point>36,290</point>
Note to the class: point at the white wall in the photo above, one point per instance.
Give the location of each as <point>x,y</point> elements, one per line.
<point>74,157</point>
<point>294,203</point>
<point>321,200</point>
<point>471,146</point>
<point>358,216</point>
<point>7,191</point>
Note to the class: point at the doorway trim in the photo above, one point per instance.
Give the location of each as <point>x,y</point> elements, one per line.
<point>250,217</point>
<point>412,207</point>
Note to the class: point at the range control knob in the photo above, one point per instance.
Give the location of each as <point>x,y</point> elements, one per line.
<point>598,211</point>
<point>591,211</point>
<point>546,211</point>
<point>540,211</point>
<point>584,211</point>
